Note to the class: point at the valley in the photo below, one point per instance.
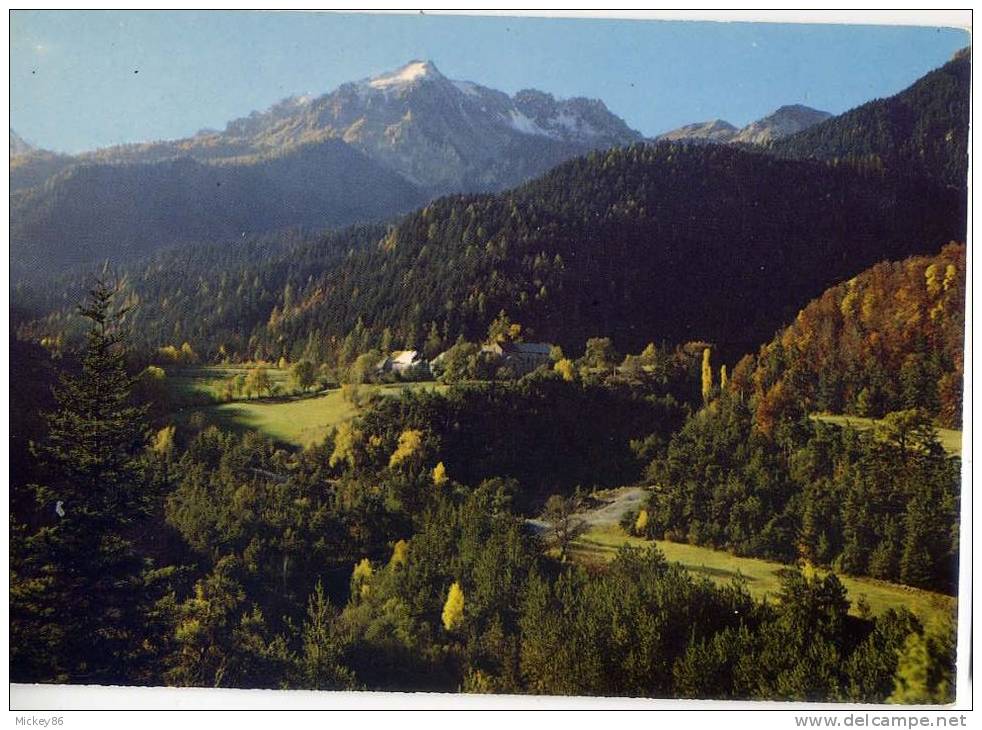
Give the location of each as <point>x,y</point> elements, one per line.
<point>414,384</point>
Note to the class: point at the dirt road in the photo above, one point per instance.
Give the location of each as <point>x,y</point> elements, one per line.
<point>615,504</point>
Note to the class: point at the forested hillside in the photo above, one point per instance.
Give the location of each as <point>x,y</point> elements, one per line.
<point>660,242</point>
<point>210,294</point>
<point>666,243</point>
<point>888,339</point>
<point>924,129</point>
<point>752,473</point>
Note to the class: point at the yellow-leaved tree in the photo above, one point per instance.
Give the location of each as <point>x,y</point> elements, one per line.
<point>399,553</point>
<point>361,578</point>
<point>439,474</point>
<point>641,524</point>
<point>707,376</point>
<point>410,442</point>
<point>565,368</point>
<point>453,609</point>
<point>163,442</point>
<point>348,442</point>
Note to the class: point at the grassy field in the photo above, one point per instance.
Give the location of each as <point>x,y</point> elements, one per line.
<point>204,384</point>
<point>298,421</point>
<point>600,544</point>
<point>951,440</point>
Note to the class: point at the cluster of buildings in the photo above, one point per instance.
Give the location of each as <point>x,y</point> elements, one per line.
<point>520,357</point>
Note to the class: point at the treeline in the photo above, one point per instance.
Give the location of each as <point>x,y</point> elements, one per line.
<point>377,560</point>
<point>671,241</point>
<point>922,130</point>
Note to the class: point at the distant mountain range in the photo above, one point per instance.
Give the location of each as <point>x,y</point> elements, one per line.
<point>782,123</point>
<point>123,212</point>
<point>368,150</point>
<point>378,148</point>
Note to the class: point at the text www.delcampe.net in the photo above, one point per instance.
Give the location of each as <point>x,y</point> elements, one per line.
<point>873,720</point>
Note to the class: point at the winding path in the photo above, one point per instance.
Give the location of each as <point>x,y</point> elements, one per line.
<point>616,504</point>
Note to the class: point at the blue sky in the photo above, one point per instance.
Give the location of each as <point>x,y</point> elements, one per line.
<point>86,79</point>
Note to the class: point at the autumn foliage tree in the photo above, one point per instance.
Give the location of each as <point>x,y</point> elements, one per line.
<point>453,609</point>
<point>707,376</point>
<point>887,340</point>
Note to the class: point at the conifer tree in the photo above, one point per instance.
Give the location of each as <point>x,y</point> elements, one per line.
<point>925,668</point>
<point>320,663</point>
<point>76,577</point>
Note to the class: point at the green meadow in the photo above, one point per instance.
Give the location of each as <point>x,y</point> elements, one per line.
<point>600,545</point>
<point>294,420</point>
<point>950,439</point>
<point>204,384</point>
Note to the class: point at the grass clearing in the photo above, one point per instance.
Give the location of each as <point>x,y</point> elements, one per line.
<point>204,384</point>
<point>600,544</point>
<point>950,439</point>
<point>299,421</point>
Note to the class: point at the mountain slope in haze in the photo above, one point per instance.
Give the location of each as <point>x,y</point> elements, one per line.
<point>923,129</point>
<point>782,123</point>
<point>19,146</point>
<point>785,121</point>
<point>95,212</point>
<point>30,165</point>
<point>716,130</point>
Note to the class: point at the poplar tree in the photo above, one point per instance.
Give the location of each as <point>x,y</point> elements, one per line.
<point>707,376</point>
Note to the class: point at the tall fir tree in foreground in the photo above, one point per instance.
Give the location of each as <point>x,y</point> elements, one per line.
<point>76,579</point>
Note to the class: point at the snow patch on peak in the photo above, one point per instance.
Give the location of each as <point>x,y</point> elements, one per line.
<point>521,123</point>
<point>406,75</point>
<point>575,124</point>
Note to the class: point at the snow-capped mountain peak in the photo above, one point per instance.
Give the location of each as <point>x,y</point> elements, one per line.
<point>440,135</point>
<point>412,72</point>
